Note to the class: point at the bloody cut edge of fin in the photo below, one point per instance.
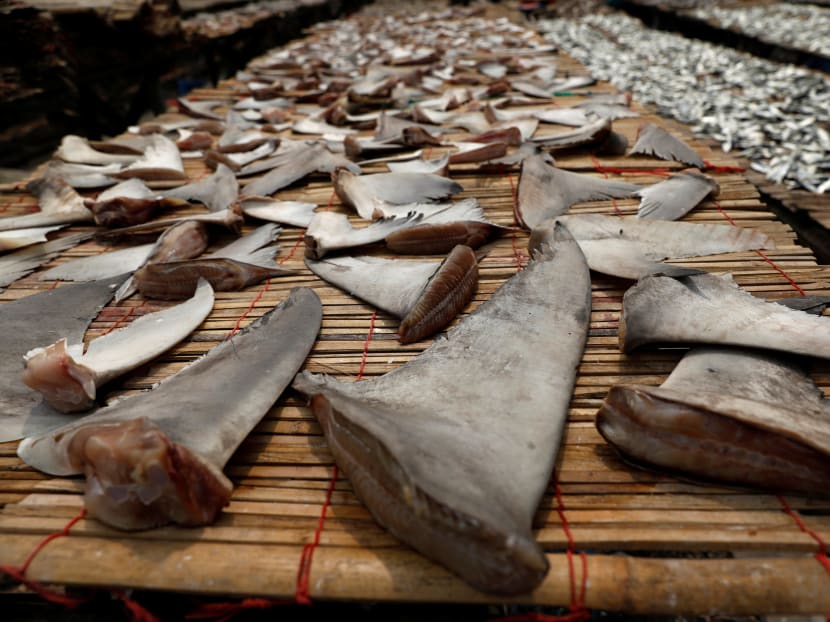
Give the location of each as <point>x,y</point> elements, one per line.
<point>139,478</point>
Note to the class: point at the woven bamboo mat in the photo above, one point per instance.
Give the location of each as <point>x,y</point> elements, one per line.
<point>689,547</point>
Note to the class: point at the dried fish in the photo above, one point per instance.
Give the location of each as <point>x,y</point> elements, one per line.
<point>765,111</point>
<point>68,377</point>
<point>444,481</point>
<point>146,464</point>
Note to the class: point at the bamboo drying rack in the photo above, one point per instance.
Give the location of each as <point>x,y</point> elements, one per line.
<point>654,543</point>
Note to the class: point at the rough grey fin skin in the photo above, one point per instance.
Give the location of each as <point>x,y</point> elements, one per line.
<point>757,411</point>
<point>653,140</point>
<point>225,394</point>
<point>68,377</point>
<point>546,191</point>
<point>435,459</point>
<point>595,132</point>
<point>217,191</point>
<point>389,284</point>
<point>713,309</point>
<point>101,266</point>
<point>18,264</point>
<point>28,323</point>
<point>631,247</point>
<point>676,196</point>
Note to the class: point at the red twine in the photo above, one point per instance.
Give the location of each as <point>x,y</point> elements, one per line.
<point>577,610</point>
<point>304,571</point>
<point>821,555</point>
<point>301,594</point>
<point>222,612</point>
<point>711,168</point>
<point>761,254</point>
<point>18,573</point>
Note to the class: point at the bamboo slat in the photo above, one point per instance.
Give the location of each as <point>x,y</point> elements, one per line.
<point>656,543</point>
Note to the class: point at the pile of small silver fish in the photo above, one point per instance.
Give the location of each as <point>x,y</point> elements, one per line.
<point>803,27</point>
<point>772,114</point>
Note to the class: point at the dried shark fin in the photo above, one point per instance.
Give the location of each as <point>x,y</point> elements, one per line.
<point>331,231</point>
<point>314,158</point>
<point>161,160</point>
<point>653,140</point>
<point>296,213</point>
<point>241,263</point>
<point>425,295</point>
<point>21,410</point>
<point>21,238</point>
<point>713,309</point>
<point>182,240</point>
<point>59,205</point>
<point>435,459</point>
<point>21,262</point>
<point>77,150</point>
<point>632,248</point>
<point>68,378</point>
<point>758,411</point>
<point>676,196</point>
<point>362,191</point>
<point>146,465</point>
<point>546,191</point>
<point>216,192</point>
